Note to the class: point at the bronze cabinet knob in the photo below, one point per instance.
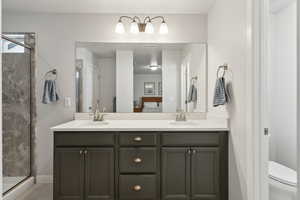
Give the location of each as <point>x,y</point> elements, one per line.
<point>137,160</point>
<point>137,188</point>
<point>137,139</point>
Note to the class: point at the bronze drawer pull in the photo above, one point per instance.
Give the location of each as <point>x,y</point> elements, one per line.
<point>80,152</point>
<point>137,139</point>
<point>137,160</point>
<point>137,188</point>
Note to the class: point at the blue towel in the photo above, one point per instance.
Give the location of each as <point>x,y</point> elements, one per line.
<point>220,96</point>
<point>192,94</point>
<point>50,95</point>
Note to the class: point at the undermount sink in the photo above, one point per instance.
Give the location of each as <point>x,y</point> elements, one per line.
<point>95,123</point>
<point>183,123</point>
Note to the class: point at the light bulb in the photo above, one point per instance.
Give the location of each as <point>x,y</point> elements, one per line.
<point>149,28</point>
<point>134,28</point>
<point>163,28</point>
<point>153,67</point>
<point>120,28</point>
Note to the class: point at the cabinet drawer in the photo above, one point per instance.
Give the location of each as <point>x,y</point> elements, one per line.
<point>84,139</point>
<point>137,139</point>
<point>190,139</point>
<point>138,160</point>
<point>139,187</point>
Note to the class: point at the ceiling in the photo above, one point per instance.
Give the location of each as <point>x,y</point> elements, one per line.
<point>109,6</point>
<point>142,53</point>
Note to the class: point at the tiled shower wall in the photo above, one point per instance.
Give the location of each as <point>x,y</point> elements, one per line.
<point>16,113</point>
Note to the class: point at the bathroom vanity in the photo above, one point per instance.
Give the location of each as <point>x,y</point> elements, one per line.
<point>150,160</point>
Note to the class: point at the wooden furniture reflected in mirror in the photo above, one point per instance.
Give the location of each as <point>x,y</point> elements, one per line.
<point>147,99</point>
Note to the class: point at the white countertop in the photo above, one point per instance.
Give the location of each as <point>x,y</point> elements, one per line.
<point>144,125</point>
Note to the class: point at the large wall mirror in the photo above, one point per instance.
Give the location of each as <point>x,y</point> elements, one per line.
<point>142,78</point>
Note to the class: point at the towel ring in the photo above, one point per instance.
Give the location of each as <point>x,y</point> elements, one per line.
<point>224,67</point>
<point>53,72</point>
<point>194,79</point>
<point>222,74</point>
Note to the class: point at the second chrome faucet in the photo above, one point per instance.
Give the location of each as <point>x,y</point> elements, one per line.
<point>98,115</point>
<point>180,115</point>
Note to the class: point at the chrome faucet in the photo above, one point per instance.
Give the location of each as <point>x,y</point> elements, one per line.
<point>98,115</point>
<point>180,115</point>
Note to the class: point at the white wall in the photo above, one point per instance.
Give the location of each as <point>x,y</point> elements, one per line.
<point>171,64</point>
<point>140,79</point>
<point>87,78</point>
<point>107,82</point>
<point>56,37</point>
<point>227,42</point>
<point>124,80</point>
<point>283,86</point>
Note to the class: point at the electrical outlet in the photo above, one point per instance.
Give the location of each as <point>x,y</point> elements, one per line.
<point>68,102</point>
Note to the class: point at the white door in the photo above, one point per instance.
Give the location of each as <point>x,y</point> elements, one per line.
<point>264,134</point>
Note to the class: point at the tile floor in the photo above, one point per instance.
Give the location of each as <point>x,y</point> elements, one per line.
<point>9,182</point>
<point>39,192</point>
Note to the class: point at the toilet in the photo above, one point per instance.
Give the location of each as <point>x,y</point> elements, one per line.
<point>282,182</point>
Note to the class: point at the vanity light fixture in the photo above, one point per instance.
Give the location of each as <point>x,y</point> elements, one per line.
<point>153,62</point>
<point>141,26</point>
<point>154,67</point>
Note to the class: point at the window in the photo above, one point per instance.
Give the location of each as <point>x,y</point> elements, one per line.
<point>11,47</point>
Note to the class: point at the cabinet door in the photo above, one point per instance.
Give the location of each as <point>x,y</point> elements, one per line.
<point>99,174</point>
<point>205,174</point>
<point>175,173</point>
<point>68,174</point>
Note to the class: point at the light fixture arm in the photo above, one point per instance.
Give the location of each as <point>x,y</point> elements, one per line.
<point>147,19</point>
<point>158,17</point>
<point>136,17</point>
<point>133,19</point>
<point>126,17</point>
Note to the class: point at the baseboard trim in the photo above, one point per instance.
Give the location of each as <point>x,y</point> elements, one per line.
<point>15,193</point>
<point>44,179</point>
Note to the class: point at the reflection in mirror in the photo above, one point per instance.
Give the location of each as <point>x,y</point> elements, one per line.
<point>145,78</point>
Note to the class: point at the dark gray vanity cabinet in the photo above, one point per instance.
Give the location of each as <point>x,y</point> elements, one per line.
<point>204,172</point>
<point>194,166</point>
<point>99,173</point>
<point>141,166</point>
<point>83,171</point>
<point>190,173</point>
<point>68,174</point>
<point>175,173</point>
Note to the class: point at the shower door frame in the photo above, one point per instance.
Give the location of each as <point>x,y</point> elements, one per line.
<point>32,122</point>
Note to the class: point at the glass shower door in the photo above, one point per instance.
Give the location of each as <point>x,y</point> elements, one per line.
<point>16,97</point>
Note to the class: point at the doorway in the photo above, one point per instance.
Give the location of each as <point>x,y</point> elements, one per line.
<point>278,100</point>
